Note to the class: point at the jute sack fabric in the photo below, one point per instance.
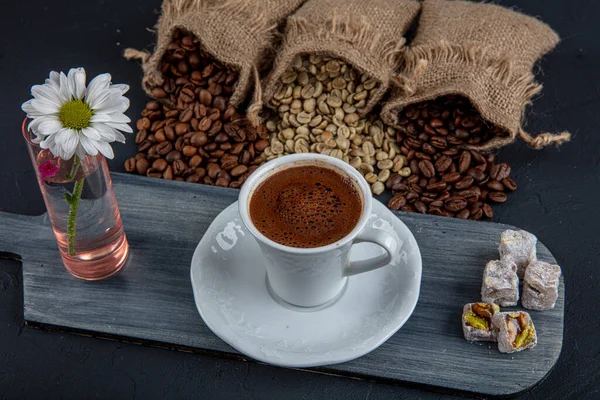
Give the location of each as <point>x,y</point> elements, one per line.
<point>238,33</point>
<point>368,34</point>
<point>483,52</point>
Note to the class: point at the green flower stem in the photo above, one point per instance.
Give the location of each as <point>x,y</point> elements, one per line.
<point>73,201</point>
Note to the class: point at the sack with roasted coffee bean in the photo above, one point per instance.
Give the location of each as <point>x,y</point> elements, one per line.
<point>483,52</point>
<point>237,33</point>
<point>367,34</point>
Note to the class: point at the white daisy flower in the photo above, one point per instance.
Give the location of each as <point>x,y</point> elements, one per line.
<point>69,118</point>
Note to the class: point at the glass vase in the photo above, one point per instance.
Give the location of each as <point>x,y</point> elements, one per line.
<point>83,210</point>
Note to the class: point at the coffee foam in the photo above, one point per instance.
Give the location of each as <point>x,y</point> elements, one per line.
<point>307,206</point>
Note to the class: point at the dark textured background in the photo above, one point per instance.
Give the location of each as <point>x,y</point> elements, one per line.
<point>557,199</point>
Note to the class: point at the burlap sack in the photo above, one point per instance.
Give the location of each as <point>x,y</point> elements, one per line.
<point>481,51</point>
<point>365,33</point>
<point>238,33</point>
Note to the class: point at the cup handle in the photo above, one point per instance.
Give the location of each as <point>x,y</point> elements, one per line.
<point>380,238</point>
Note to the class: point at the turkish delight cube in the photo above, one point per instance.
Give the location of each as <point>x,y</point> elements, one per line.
<point>477,321</point>
<point>540,286</point>
<point>500,283</point>
<point>516,331</point>
<point>518,246</point>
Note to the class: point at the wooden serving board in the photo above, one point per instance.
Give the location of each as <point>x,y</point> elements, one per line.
<point>151,300</point>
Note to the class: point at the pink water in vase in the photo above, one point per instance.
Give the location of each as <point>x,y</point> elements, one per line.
<point>83,210</point>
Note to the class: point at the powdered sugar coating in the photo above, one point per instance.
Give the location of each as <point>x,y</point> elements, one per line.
<point>540,286</point>
<point>519,246</point>
<point>500,283</point>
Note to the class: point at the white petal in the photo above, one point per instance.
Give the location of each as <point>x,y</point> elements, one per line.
<point>105,149</point>
<point>45,106</point>
<point>38,139</point>
<point>106,132</point>
<point>35,123</point>
<point>49,126</point>
<point>123,88</point>
<point>100,97</point>
<point>48,142</point>
<point>67,140</point>
<point>96,86</point>
<point>119,137</point>
<point>54,80</point>
<point>47,92</point>
<point>76,80</point>
<point>64,87</point>
<point>121,127</point>
<point>30,109</point>
<point>91,133</point>
<point>119,104</point>
<point>80,151</point>
<point>101,117</point>
<point>88,146</point>
<point>119,118</point>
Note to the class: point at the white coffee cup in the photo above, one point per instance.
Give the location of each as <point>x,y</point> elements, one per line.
<point>310,277</point>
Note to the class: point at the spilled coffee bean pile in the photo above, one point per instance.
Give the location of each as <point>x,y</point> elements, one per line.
<point>198,138</point>
<point>447,180</point>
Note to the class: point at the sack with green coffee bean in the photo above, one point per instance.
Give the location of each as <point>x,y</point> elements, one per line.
<point>367,34</point>
<point>483,52</point>
<point>238,33</point>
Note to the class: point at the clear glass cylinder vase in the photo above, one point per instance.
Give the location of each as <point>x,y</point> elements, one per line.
<point>83,210</point>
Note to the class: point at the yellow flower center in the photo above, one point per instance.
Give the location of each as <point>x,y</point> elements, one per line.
<point>75,114</point>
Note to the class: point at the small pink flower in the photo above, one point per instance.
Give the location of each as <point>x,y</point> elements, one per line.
<point>48,169</point>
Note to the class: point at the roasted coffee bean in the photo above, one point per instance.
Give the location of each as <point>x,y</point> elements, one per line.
<point>152,173</point>
<point>141,166</point>
<point>454,204</point>
<point>130,164</point>
<point>443,163</point>
<point>173,156</point>
<point>509,184</point>
<point>487,210</point>
<point>164,148</point>
<point>438,142</point>
<point>212,170</point>
<point>464,162</point>
<point>463,214</point>
<point>500,171</point>
<point>143,124</point>
<point>476,173</point>
<point>193,179</point>
<point>495,185</point>
<point>426,168</point>
<point>464,183</point>
<point>229,164</point>
<point>397,202</point>
<point>222,182</point>
<point>411,197</point>
<point>168,173</point>
<point>497,197</point>
<point>159,165</point>
<point>140,137</point>
<point>437,187</point>
<point>420,207</point>
<point>239,170</point>
<point>144,146</point>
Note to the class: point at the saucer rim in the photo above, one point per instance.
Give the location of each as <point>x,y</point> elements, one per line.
<point>333,360</point>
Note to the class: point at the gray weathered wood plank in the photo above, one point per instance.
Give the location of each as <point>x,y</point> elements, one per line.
<point>151,299</point>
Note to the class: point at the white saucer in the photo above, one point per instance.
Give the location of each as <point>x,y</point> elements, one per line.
<point>228,279</point>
